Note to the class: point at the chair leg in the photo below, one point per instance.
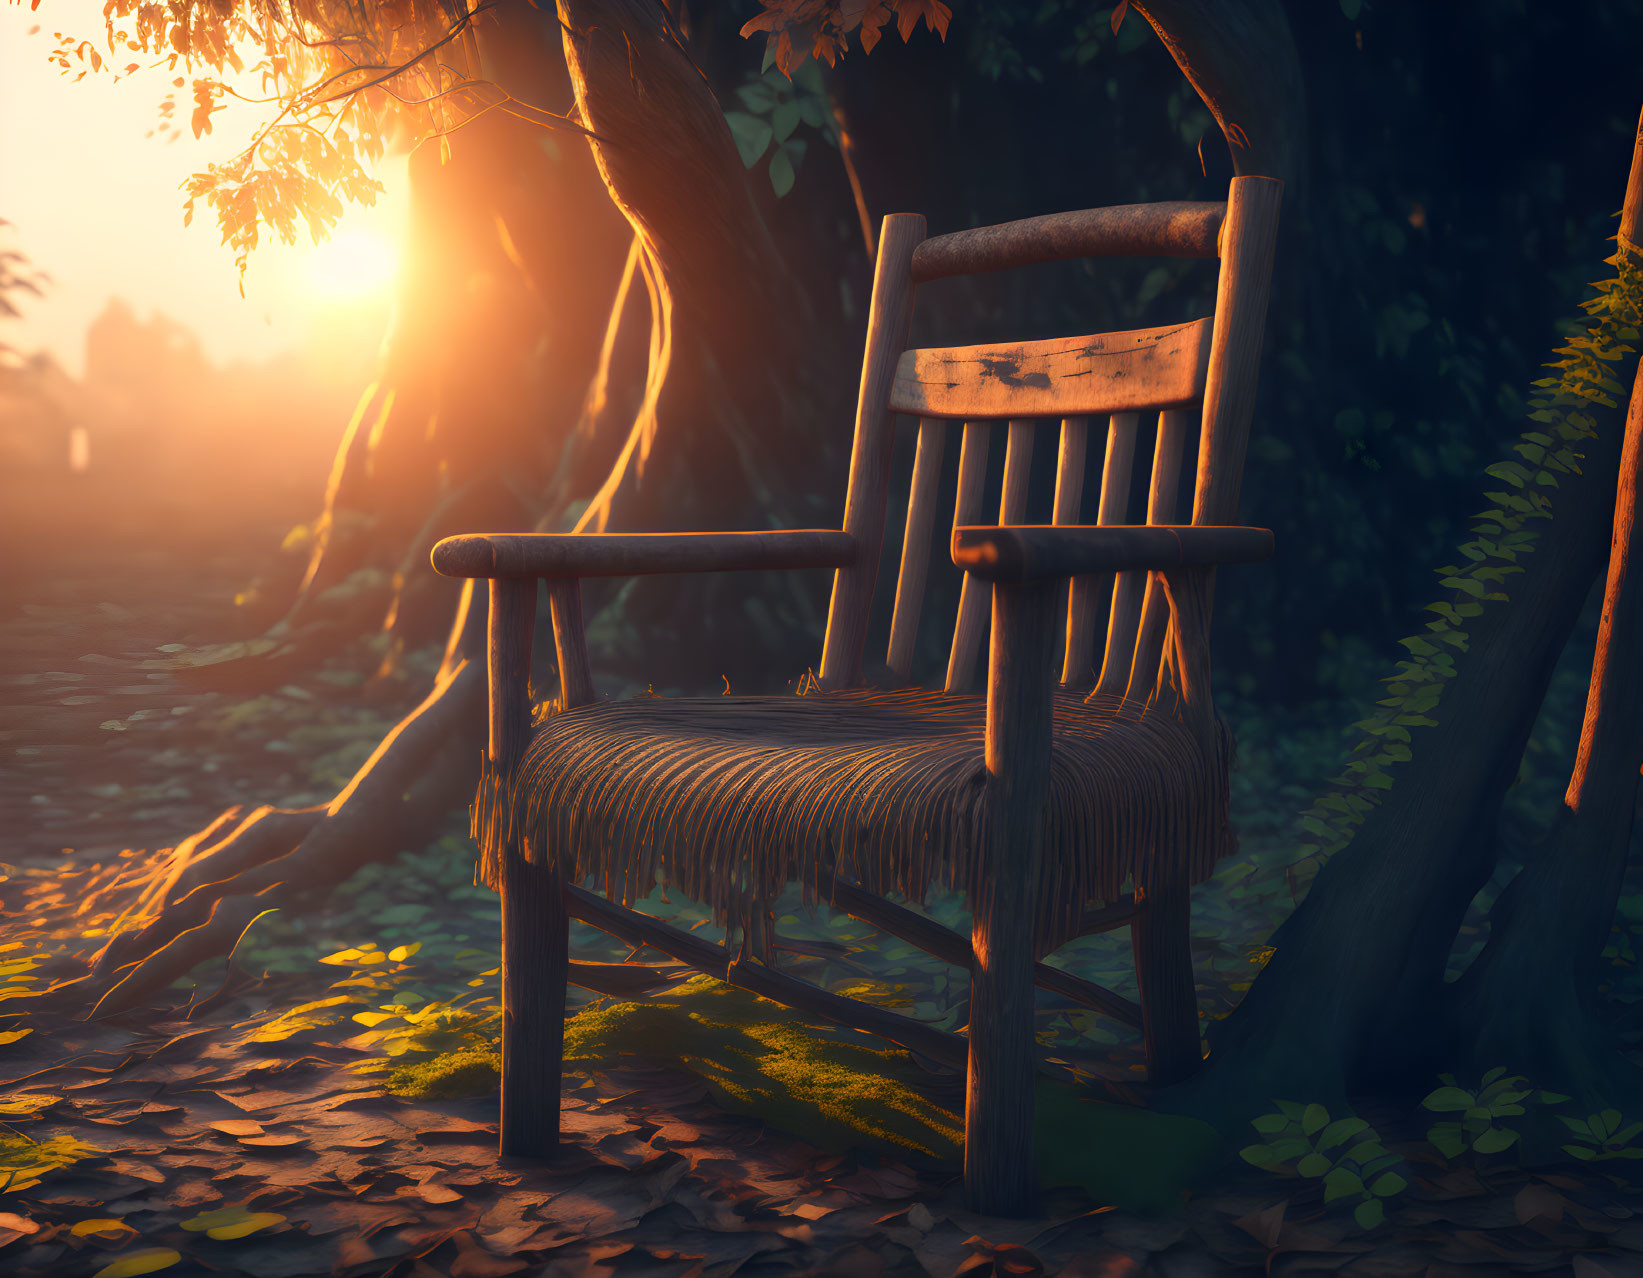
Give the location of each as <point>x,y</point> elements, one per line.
<point>535,963</point>
<point>1161,933</point>
<point>1000,1170</point>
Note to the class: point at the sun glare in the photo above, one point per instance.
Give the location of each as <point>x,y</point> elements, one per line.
<point>351,265</point>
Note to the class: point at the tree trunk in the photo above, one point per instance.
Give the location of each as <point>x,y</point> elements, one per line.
<point>1530,999</point>
<point>724,434</point>
<point>1354,999</point>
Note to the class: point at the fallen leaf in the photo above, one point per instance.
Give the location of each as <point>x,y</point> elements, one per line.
<point>133,1263</point>
<point>1536,1202</point>
<point>1266,1225</point>
<point>237,1127</point>
<point>239,1229</point>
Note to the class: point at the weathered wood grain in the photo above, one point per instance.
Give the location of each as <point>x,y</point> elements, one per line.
<point>1059,377</point>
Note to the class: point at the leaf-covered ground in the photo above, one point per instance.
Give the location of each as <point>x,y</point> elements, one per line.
<point>256,1122</point>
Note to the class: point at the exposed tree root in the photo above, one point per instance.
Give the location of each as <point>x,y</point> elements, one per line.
<point>206,893</point>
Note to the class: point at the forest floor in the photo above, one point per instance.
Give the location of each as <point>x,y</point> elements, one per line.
<point>250,1121</point>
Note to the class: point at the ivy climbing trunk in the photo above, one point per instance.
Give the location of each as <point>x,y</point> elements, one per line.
<point>1354,997</point>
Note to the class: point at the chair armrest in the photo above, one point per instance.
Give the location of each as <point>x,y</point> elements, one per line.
<point>638,554</point>
<point>1026,552</point>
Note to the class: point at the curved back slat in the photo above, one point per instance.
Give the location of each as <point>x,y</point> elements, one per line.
<point>1087,594</point>
<point>1163,507</point>
<point>915,546</point>
<point>975,595</point>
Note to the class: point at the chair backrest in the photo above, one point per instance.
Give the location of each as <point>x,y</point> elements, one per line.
<point>1201,373</point>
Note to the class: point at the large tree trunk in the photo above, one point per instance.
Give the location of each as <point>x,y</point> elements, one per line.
<point>1354,998</point>
<point>740,379</point>
<point>1531,997</point>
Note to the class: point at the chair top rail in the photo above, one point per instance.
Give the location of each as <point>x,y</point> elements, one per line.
<point>1173,228</point>
<point>1060,377</point>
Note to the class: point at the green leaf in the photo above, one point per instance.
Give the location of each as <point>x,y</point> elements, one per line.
<point>1314,1119</point>
<point>783,120</point>
<point>1364,1150</point>
<point>1447,1138</point>
<point>1313,1165</point>
<point>1448,1099</point>
<point>1386,1185</point>
<point>1340,1131</point>
<point>1339,1183</point>
<point>751,134</point>
<point>1494,1140</point>
<point>1369,1213</point>
<point>1583,1152</point>
<point>781,171</point>
<point>1259,1155</point>
<point>1269,1124</point>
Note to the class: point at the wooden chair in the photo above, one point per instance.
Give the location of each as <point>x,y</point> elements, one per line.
<point>1036,799</point>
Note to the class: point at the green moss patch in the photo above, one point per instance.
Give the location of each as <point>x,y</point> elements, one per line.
<point>839,1090</point>
<point>468,1071</point>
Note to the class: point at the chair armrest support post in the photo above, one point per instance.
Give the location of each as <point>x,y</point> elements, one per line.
<point>511,631</point>
<point>570,641</point>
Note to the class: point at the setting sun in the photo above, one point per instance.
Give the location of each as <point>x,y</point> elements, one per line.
<point>351,265</point>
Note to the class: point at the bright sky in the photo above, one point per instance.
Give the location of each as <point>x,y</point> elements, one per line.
<point>98,207</point>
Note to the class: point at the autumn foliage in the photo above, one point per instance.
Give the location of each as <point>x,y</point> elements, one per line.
<point>798,29</point>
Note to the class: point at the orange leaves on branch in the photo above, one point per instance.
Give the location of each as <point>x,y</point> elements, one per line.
<point>797,29</point>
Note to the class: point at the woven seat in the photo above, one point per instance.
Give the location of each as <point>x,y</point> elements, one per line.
<point>722,794</point>
<point>1085,766</point>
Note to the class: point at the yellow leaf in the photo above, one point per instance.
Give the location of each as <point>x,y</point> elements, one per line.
<point>12,1106</point>
<point>372,1019</point>
<point>375,956</point>
<point>402,952</point>
<point>218,1219</point>
<point>103,1227</point>
<point>146,1261</point>
<point>342,957</point>
<point>12,1036</point>
<point>253,1222</point>
<point>304,1017</point>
